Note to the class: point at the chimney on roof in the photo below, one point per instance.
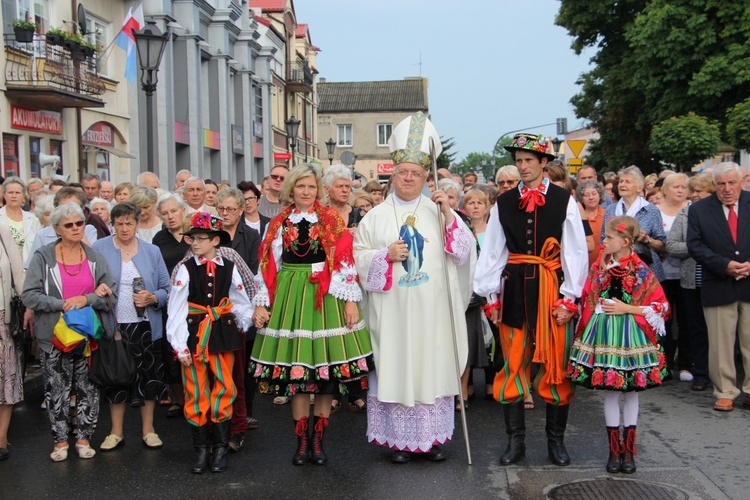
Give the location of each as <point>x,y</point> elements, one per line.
<point>321,80</point>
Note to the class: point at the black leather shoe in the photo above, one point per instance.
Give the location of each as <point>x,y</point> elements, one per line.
<point>436,454</point>
<point>400,457</point>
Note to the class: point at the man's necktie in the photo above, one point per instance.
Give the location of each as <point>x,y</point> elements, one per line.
<point>732,219</point>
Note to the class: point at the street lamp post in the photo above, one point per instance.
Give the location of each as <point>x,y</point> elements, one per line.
<point>292,127</point>
<point>331,147</point>
<point>150,43</point>
<point>556,145</point>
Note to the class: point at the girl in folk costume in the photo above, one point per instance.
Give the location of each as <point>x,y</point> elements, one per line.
<point>314,336</point>
<point>616,346</point>
<point>207,304</point>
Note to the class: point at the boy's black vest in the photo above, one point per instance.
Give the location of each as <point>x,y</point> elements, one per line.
<point>206,291</point>
<point>525,233</point>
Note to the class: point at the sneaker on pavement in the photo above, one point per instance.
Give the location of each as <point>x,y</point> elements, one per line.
<point>252,423</point>
<point>686,376</point>
<point>236,441</point>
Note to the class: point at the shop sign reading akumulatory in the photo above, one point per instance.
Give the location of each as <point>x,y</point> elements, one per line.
<point>38,120</point>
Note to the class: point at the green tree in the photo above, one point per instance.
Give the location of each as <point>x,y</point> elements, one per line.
<point>446,157</point>
<point>656,59</point>
<point>502,157</point>
<point>475,162</point>
<point>738,125</point>
<point>684,141</point>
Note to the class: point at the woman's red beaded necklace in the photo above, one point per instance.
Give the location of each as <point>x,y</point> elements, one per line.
<point>65,266</point>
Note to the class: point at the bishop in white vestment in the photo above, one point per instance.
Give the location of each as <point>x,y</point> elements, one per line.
<point>410,403</point>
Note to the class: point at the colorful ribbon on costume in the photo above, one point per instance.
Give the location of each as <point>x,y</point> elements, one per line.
<point>549,348</point>
<point>204,328</point>
<point>568,305</point>
<point>210,265</point>
<point>532,198</point>
<point>488,308</point>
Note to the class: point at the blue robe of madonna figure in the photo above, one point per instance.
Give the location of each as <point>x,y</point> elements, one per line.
<point>413,263</point>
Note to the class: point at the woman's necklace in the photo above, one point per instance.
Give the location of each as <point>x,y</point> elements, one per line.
<point>128,253</point>
<point>65,266</point>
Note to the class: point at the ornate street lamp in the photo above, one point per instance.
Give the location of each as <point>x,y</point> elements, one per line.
<point>292,127</point>
<point>556,145</point>
<point>150,42</point>
<point>331,147</point>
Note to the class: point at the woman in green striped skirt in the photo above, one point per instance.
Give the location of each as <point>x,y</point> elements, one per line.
<point>311,335</point>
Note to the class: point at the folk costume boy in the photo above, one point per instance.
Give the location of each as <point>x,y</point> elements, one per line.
<point>207,304</point>
<point>535,253</point>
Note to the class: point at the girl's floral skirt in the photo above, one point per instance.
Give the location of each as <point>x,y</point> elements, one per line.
<point>304,349</point>
<point>613,353</point>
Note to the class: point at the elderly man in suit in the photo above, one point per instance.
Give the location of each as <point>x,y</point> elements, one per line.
<point>718,237</point>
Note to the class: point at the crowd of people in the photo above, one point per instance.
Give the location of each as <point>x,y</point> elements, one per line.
<point>541,280</point>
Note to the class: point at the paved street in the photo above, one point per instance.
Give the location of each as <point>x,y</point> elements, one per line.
<point>682,443</point>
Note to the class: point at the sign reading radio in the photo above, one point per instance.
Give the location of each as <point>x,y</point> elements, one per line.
<point>38,120</point>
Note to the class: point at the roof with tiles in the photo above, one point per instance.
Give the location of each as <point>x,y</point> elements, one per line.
<point>263,21</point>
<point>394,95</point>
<point>269,5</point>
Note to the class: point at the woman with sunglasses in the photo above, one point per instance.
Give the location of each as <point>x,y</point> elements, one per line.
<point>66,275</point>
<point>507,178</point>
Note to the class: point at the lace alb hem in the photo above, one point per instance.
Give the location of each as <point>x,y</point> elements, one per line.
<point>410,428</point>
<point>377,277</point>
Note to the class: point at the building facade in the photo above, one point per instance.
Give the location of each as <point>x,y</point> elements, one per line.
<point>360,116</point>
<point>57,99</point>
<point>293,87</point>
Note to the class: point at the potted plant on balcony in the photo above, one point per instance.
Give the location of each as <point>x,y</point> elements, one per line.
<point>88,49</point>
<point>24,30</point>
<point>55,36</point>
<point>73,42</point>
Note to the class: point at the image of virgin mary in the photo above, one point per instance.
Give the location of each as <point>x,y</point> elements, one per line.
<point>415,247</point>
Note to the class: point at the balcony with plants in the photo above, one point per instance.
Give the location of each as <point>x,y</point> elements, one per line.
<point>56,69</point>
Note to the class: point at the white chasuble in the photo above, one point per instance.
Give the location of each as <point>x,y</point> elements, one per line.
<point>407,307</point>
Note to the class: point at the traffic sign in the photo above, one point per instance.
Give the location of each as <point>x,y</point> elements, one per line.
<point>576,146</point>
<point>574,164</point>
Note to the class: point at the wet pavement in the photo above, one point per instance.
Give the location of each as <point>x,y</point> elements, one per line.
<point>684,447</point>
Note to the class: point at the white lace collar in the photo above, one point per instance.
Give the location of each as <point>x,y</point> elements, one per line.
<point>297,217</point>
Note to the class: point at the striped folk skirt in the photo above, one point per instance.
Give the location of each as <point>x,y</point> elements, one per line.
<point>305,349</point>
<point>614,353</point>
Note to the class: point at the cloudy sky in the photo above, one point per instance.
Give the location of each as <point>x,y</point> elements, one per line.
<point>493,65</point>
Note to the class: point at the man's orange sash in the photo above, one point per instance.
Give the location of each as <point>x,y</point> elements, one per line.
<point>550,338</point>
